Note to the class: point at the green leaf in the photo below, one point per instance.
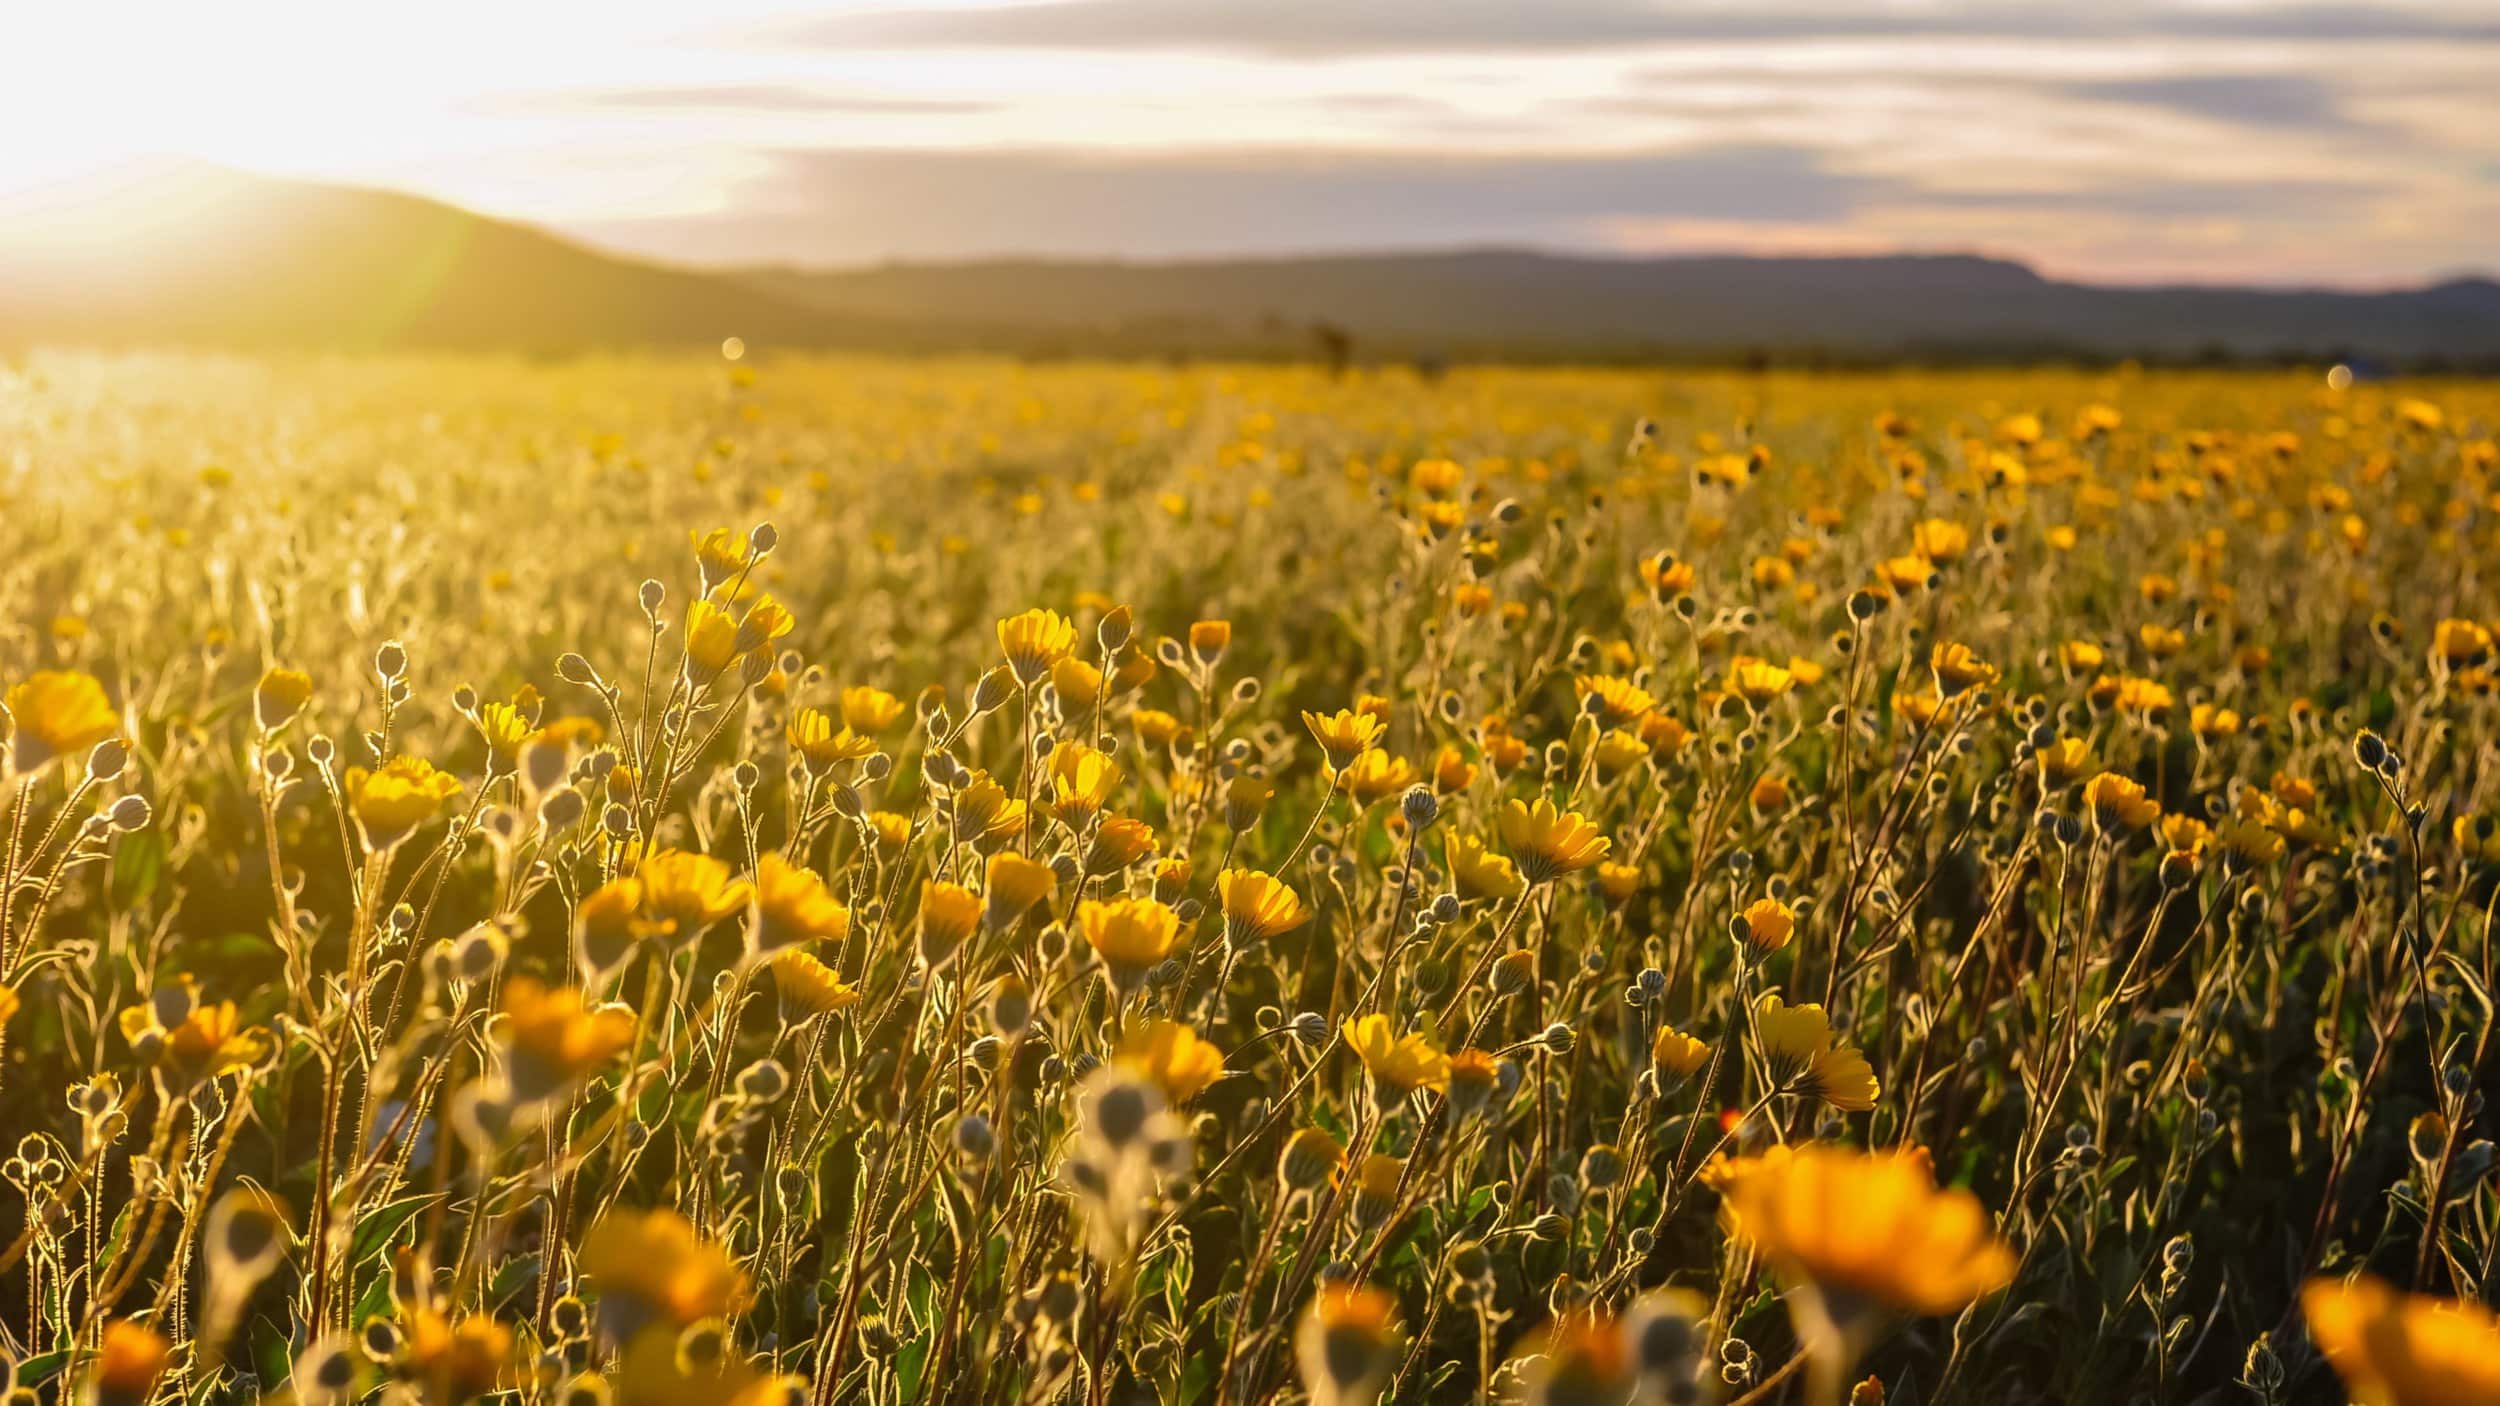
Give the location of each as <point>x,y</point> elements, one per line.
<point>1198,1377</point>
<point>41,1367</point>
<point>376,1231</point>
<point>138,863</point>
<point>374,1302</point>
<point>909,1362</point>
<point>514,1274</point>
<point>273,1357</point>
<point>1177,1276</point>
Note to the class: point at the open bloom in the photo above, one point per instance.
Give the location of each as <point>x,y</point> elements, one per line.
<point>808,987</point>
<point>607,925</point>
<point>1479,872</point>
<point>1618,752</point>
<point>868,710</point>
<point>685,893</point>
<point>1398,1064</point>
<point>390,803</point>
<point>1375,776</point>
<point>2062,761</point>
<point>1131,935</point>
<point>1677,1055</point>
<point>984,815</point>
<point>720,555</point>
<point>128,1363</point>
<point>793,907</point>
<point>1245,800</point>
<point>1858,1235</point>
<point>1549,842</point>
<point>822,746</point>
<point>1033,641</point>
<point>1257,906</point>
<point>1613,701</point>
<point>1119,841</point>
<point>653,1267</point>
<point>2398,1349</point>
<point>553,1037</point>
<point>1803,1059</point>
<point>1766,925</point>
<point>1343,735</point>
<point>55,713</point>
<point>1012,884</point>
<point>2477,837</point>
<point>711,637</point>
<point>948,913</point>
<point>1759,681</point>
<point>1618,883</point>
<point>1348,1345</point>
<point>458,1359</point>
<point>1958,670</point>
<point>1081,782</point>
<point>1940,540</point>
<point>208,1041</point>
<point>1174,1057</point>
<point>506,728</point>
<point>2119,803</point>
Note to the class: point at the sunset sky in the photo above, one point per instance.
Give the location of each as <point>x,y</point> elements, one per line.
<point>2349,144</point>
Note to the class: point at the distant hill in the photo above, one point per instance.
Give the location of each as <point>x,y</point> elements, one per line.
<point>1475,302</point>
<point>190,255</point>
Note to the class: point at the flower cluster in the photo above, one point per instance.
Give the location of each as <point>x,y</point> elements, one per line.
<point>1231,885</point>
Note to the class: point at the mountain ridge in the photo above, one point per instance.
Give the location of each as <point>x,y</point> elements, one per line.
<point>202,256</point>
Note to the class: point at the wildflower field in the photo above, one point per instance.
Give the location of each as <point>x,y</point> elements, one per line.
<point>684,882</point>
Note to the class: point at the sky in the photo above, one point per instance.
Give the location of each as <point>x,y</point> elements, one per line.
<point>2122,140</point>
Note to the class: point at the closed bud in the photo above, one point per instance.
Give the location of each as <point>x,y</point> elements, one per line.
<point>1419,807</point>
<point>1514,973</point>
<point>2261,1370</point>
<point>1311,1157</point>
<point>1114,631</point>
<point>973,1137</point>
<point>993,691</point>
<point>2369,749</point>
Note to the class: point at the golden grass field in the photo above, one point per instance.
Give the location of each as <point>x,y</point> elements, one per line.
<point>672,881</point>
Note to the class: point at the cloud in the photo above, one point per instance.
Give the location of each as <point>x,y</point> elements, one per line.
<point>2285,100</point>
<point>2281,200</point>
<point>726,97</point>
<point>843,206</point>
<point>1319,28</point>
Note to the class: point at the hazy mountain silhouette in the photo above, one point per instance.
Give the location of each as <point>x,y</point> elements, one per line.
<point>189,255</point>
<point>1470,302</point>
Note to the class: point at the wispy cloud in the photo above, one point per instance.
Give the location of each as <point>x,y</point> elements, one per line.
<point>2293,100</point>
<point>1323,27</point>
<point>765,97</point>
<point>2281,142</point>
<point>857,205</point>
